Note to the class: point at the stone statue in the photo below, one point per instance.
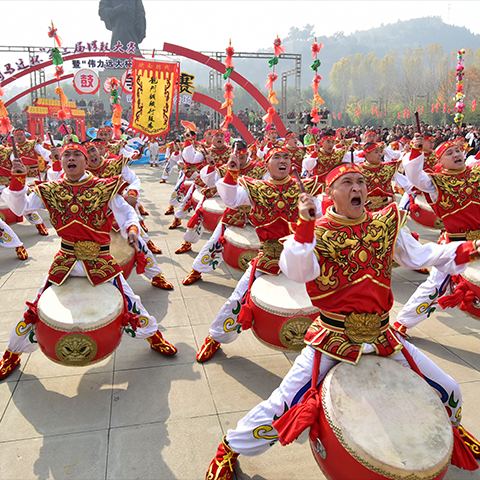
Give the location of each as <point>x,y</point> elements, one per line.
<point>126,20</point>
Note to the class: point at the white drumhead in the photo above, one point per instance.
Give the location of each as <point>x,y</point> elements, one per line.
<point>120,249</point>
<point>389,416</point>
<point>279,295</point>
<point>421,201</point>
<point>214,205</point>
<point>472,273</point>
<point>245,237</point>
<point>78,305</point>
<point>197,195</point>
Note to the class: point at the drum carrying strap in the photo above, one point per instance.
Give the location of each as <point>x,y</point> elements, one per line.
<point>462,456</point>
<point>302,415</point>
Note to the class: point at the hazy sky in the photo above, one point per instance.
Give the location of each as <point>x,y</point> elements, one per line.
<point>208,25</point>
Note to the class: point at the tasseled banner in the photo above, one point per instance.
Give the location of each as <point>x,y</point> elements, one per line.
<point>268,118</point>
<point>301,416</point>
<point>141,261</point>
<point>271,78</point>
<point>272,97</point>
<point>277,46</point>
<point>462,296</point>
<point>462,456</point>
<point>316,81</point>
<point>315,116</point>
<point>63,98</point>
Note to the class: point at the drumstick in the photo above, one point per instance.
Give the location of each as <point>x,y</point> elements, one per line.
<point>14,146</point>
<point>51,139</point>
<point>419,130</point>
<point>302,188</point>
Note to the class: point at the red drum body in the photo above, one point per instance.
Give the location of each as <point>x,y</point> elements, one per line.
<point>422,213</point>
<point>197,197</point>
<point>123,253</point>
<point>7,215</point>
<point>282,312</point>
<point>241,246</point>
<point>213,209</point>
<point>79,324</point>
<point>380,420</point>
<point>472,277</point>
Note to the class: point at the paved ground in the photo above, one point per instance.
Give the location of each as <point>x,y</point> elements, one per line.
<point>139,415</point>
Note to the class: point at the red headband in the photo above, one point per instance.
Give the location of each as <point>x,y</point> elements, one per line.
<point>89,144</point>
<point>428,138</point>
<point>441,149</point>
<point>341,170</point>
<point>328,137</point>
<point>218,130</point>
<point>371,148</point>
<point>275,150</point>
<point>242,151</point>
<point>99,142</point>
<point>290,135</point>
<point>75,146</point>
<point>105,129</point>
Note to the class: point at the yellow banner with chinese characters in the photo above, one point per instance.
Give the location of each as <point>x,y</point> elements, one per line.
<point>154,84</point>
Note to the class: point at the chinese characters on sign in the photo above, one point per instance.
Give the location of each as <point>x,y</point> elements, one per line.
<point>186,83</point>
<point>153,88</point>
<point>86,82</point>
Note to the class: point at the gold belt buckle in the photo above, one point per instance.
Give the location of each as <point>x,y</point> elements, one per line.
<point>376,202</point>
<point>363,327</point>
<point>272,248</point>
<point>86,250</point>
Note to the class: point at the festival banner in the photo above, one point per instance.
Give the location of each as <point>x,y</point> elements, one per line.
<point>154,86</point>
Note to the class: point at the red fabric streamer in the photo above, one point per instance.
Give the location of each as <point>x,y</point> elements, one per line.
<point>462,456</point>
<point>228,61</point>
<point>226,121</point>
<point>316,48</point>
<point>271,78</point>
<point>52,33</point>
<point>314,115</point>
<point>5,125</point>
<point>316,81</point>
<point>132,320</point>
<point>462,296</point>
<point>141,262</point>
<point>268,118</point>
<point>30,316</point>
<point>2,92</point>
<point>277,46</point>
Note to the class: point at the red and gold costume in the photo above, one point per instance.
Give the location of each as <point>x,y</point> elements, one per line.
<point>379,182</point>
<point>5,165</point>
<point>324,162</point>
<point>72,206</point>
<point>30,158</point>
<point>430,162</point>
<point>296,156</point>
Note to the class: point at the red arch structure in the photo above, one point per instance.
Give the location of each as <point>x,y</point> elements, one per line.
<point>217,106</point>
<point>236,77</point>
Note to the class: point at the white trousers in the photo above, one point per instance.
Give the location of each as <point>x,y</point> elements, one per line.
<point>255,434</point>
<point>8,238</point>
<point>211,254</point>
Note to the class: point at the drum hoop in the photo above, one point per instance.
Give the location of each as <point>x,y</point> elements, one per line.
<point>274,347</point>
<point>280,313</point>
<point>213,212</point>
<point>255,246</point>
<point>93,362</point>
<point>339,434</point>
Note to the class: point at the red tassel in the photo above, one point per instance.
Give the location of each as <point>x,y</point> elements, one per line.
<point>277,47</point>
<point>271,78</point>
<point>141,261</point>
<point>195,220</point>
<point>5,125</point>
<point>226,121</point>
<point>228,61</point>
<point>245,318</point>
<point>268,118</point>
<point>30,316</point>
<point>132,320</point>
<point>462,456</point>
<point>462,296</point>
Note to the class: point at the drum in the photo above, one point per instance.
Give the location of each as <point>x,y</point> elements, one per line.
<point>123,253</point>
<point>422,213</point>
<point>282,312</point>
<point>472,277</point>
<point>7,215</point>
<point>79,324</point>
<point>380,420</point>
<point>212,211</point>
<point>197,197</point>
<point>241,246</point>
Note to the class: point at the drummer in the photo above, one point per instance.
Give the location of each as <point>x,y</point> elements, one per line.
<point>274,213</point>
<point>84,226</point>
<point>210,256</point>
<point>453,193</point>
<point>352,288</point>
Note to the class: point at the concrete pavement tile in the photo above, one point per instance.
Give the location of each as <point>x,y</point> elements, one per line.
<point>21,295</point>
<point>447,360</point>
<point>40,366</point>
<point>166,393</point>
<point>241,383</point>
<point>136,353</point>
<point>6,392</point>
<point>170,312</point>
<point>81,456</point>
<point>467,347</point>
<point>203,310</point>
<point>173,450</point>
<point>17,279</point>
<point>213,286</point>
<point>56,406</point>
<point>470,410</point>
<point>5,275</point>
<point>449,322</point>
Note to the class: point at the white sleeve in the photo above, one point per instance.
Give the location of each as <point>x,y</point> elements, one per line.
<point>210,179</point>
<point>20,203</point>
<point>124,214</point>
<point>392,154</point>
<point>131,178</point>
<point>412,254</point>
<point>298,261</point>
<point>192,156</point>
<point>309,163</point>
<point>416,175</point>
<point>43,152</point>
<point>233,195</point>
<point>127,151</point>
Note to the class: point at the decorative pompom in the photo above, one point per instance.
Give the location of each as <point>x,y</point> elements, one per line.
<point>226,121</point>
<point>315,131</point>
<point>52,33</point>
<point>272,62</point>
<point>316,48</point>
<point>314,115</point>
<point>3,109</point>
<point>271,78</point>
<point>63,98</point>
<point>272,97</point>
<point>277,46</point>
<point>316,81</point>
<point>228,91</point>
<point>228,61</point>
<point>5,125</point>
<point>268,118</point>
